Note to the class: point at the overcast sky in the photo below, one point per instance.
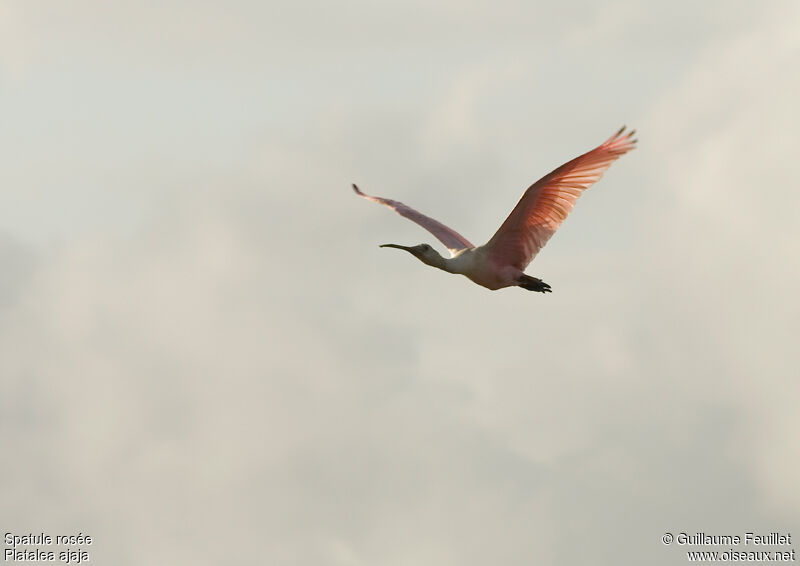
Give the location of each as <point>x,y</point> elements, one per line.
<point>206,359</point>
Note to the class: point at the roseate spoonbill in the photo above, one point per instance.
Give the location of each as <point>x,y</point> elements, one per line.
<point>501,261</point>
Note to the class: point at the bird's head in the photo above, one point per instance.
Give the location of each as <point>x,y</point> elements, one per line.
<point>423,252</point>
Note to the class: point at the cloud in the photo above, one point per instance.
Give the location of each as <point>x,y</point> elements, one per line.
<point>242,372</point>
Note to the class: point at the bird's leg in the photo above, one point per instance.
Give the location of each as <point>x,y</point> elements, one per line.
<point>533,284</point>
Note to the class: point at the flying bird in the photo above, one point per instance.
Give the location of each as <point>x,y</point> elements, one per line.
<point>501,262</point>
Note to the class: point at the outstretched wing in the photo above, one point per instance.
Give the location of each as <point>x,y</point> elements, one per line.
<point>449,237</point>
<point>546,203</point>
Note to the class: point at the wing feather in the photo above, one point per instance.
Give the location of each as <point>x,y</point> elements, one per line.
<point>547,202</point>
<point>450,238</point>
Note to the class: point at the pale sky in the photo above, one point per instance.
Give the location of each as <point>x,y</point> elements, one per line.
<point>206,359</point>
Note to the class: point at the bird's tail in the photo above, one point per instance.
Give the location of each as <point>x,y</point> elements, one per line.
<point>533,284</point>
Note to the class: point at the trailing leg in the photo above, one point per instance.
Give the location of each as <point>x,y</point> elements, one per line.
<point>533,284</point>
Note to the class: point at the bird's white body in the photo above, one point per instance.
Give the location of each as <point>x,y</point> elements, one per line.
<point>476,264</point>
<point>502,260</point>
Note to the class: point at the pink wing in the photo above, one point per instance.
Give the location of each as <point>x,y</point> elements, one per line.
<point>547,202</point>
<point>449,237</point>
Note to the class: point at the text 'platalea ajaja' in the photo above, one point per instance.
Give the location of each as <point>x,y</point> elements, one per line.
<point>544,206</point>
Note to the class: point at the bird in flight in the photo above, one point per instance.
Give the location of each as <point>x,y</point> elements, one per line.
<point>501,262</point>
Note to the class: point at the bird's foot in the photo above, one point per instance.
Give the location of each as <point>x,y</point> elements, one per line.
<point>533,284</point>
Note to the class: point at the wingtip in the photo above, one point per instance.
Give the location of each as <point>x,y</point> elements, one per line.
<point>357,190</point>
<point>627,137</point>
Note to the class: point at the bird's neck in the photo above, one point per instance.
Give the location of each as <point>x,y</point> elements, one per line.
<point>448,264</point>
<point>436,261</point>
